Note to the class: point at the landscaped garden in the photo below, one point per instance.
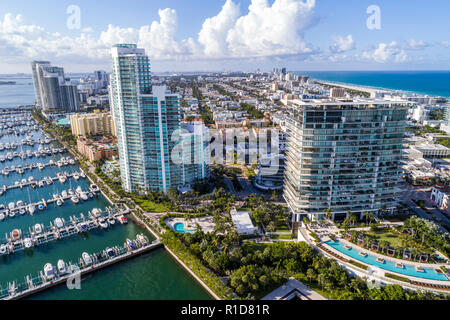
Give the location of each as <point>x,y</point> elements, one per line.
<point>416,240</point>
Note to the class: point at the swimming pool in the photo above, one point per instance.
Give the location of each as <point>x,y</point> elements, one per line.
<point>179,227</point>
<point>429,273</point>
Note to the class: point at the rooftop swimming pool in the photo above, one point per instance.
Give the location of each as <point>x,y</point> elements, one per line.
<point>179,227</point>
<point>428,273</point>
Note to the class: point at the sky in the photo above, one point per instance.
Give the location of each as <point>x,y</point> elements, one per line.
<point>228,35</point>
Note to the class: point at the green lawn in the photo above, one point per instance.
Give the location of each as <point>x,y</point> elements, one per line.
<point>252,246</point>
<point>150,206</point>
<point>281,236</point>
<point>393,238</point>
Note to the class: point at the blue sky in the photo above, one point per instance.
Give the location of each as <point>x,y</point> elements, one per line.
<point>301,35</point>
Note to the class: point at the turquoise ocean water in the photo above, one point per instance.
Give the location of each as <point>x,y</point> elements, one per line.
<point>433,83</point>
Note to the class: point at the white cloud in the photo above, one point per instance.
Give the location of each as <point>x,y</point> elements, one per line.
<point>445,44</point>
<point>271,30</point>
<point>342,44</point>
<point>386,53</point>
<point>213,35</point>
<point>160,38</point>
<point>416,44</point>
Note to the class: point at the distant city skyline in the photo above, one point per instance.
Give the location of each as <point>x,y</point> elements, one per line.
<point>231,35</point>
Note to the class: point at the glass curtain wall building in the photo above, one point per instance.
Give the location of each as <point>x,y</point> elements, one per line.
<point>345,156</point>
<point>145,118</point>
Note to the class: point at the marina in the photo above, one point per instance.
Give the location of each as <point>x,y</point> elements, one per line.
<point>17,240</point>
<point>69,228</point>
<point>87,263</point>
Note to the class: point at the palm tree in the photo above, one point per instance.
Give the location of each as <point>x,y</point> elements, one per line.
<point>366,216</point>
<point>310,273</point>
<point>328,213</point>
<point>322,279</point>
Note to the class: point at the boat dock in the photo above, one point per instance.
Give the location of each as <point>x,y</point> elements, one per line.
<point>41,166</point>
<point>34,183</point>
<point>98,261</point>
<point>18,241</point>
<point>43,204</point>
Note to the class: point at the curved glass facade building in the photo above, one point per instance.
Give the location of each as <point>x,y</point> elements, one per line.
<point>345,155</point>
<point>145,117</point>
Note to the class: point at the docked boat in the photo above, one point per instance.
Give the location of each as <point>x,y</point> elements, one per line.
<point>59,223</point>
<point>130,244</point>
<point>380,260</point>
<point>86,258</point>
<point>16,234</point>
<point>83,196</point>
<point>41,207</point>
<point>96,212</point>
<point>143,240</point>
<point>2,216</point>
<point>419,269</point>
<point>94,188</point>
<point>102,223</point>
<point>3,250</point>
<point>400,265</point>
<point>123,220</point>
<point>75,199</point>
<point>49,272</point>
<point>110,253</point>
<point>76,176</point>
<point>111,221</point>
<point>59,202</point>
<point>62,267</point>
<point>28,243</point>
<point>31,209</point>
<point>38,228</point>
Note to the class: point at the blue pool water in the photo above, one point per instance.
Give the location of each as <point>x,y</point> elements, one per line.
<point>179,227</point>
<point>428,273</point>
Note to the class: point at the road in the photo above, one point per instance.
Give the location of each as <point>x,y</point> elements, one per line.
<point>418,193</point>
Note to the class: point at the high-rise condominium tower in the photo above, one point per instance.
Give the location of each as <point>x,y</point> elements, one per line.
<point>53,90</point>
<point>344,155</point>
<point>37,89</point>
<point>145,117</point>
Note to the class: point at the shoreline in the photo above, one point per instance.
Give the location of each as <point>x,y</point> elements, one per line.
<point>370,89</point>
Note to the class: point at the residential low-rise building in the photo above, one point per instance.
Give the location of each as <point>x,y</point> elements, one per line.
<point>97,150</point>
<point>243,222</point>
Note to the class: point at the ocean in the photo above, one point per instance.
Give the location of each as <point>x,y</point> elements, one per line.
<point>433,83</point>
<point>21,93</point>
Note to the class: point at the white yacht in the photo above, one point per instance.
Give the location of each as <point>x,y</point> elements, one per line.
<point>38,229</point>
<point>31,209</point>
<point>28,243</point>
<point>111,221</point>
<point>49,272</point>
<point>75,199</point>
<point>59,223</point>
<point>62,267</point>
<point>86,258</point>
<point>103,223</point>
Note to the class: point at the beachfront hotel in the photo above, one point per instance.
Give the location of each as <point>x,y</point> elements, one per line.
<point>145,118</point>
<point>344,155</point>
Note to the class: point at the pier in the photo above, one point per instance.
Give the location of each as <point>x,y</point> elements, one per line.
<point>100,260</point>
<point>35,238</point>
<point>35,183</point>
<point>41,166</point>
<point>43,204</point>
